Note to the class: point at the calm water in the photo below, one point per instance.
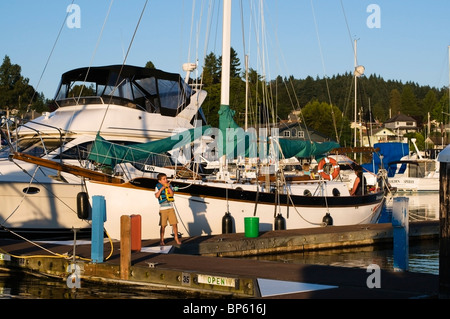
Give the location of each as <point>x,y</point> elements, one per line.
<point>423,257</point>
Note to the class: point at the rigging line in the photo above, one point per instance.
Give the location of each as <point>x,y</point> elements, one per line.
<point>298,104</point>
<point>289,196</point>
<point>324,70</point>
<point>48,189</point>
<point>242,27</point>
<point>198,27</point>
<point>349,33</point>
<point>191,31</point>
<point>208,33</point>
<point>23,197</point>
<point>50,55</point>
<point>43,248</point>
<point>95,50</point>
<point>290,80</point>
<point>55,255</point>
<point>124,61</point>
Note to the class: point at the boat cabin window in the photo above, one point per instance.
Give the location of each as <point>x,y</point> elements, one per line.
<point>33,146</point>
<point>76,152</point>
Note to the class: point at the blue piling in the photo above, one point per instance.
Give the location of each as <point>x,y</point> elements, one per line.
<point>98,219</point>
<point>400,223</point>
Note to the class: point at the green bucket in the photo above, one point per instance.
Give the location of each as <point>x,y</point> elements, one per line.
<point>251,226</point>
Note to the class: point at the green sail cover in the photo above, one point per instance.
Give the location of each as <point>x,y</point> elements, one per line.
<point>301,148</point>
<point>235,141</point>
<point>110,154</point>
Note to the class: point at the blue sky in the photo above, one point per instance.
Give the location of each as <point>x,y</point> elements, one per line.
<point>301,37</point>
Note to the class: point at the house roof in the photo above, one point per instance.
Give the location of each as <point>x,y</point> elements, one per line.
<point>315,135</point>
<point>400,118</point>
<point>383,132</point>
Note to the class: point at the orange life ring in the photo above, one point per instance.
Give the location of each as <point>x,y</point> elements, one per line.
<point>331,173</point>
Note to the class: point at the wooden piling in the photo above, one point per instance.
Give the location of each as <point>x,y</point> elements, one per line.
<point>125,246</point>
<point>444,230</point>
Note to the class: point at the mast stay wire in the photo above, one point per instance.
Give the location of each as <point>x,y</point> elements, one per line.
<point>50,55</point>
<point>124,61</point>
<point>95,50</point>
<point>324,70</point>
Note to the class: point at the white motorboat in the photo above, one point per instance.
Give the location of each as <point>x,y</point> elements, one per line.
<point>414,173</point>
<point>128,104</point>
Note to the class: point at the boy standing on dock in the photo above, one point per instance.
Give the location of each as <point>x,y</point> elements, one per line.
<point>164,193</point>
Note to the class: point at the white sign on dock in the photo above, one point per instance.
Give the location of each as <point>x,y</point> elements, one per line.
<point>216,280</point>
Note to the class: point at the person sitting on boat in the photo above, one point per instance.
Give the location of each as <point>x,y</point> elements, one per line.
<point>306,169</point>
<point>360,182</point>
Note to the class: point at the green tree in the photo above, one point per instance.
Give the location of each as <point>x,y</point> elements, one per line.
<point>430,102</point>
<point>395,102</point>
<point>150,65</point>
<point>318,116</point>
<point>409,102</point>
<point>84,90</point>
<point>211,70</point>
<point>15,90</point>
<point>235,64</point>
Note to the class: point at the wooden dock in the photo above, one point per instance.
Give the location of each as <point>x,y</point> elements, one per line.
<point>198,267</point>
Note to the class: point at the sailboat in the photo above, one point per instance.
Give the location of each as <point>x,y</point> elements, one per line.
<point>202,204</point>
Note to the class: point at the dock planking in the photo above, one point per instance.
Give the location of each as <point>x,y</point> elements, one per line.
<point>194,267</point>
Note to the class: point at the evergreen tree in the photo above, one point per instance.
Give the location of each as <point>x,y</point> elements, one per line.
<point>395,102</point>
<point>430,102</point>
<point>15,90</point>
<point>234,64</point>
<point>150,65</point>
<point>409,102</point>
<point>211,73</point>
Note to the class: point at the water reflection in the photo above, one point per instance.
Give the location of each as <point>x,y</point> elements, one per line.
<point>19,285</point>
<point>423,256</point>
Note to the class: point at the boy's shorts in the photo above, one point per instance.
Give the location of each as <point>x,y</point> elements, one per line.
<point>167,215</point>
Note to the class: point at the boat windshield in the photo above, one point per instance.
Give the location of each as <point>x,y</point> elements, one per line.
<point>152,90</point>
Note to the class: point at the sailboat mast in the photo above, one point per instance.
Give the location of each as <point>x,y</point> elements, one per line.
<point>246,93</point>
<point>225,81</point>
<point>448,116</point>
<point>226,53</point>
<point>356,63</point>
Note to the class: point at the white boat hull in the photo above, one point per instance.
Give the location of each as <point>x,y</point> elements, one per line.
<point>201,215</point>
<point>415,184</point>
<point>45,209</point>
